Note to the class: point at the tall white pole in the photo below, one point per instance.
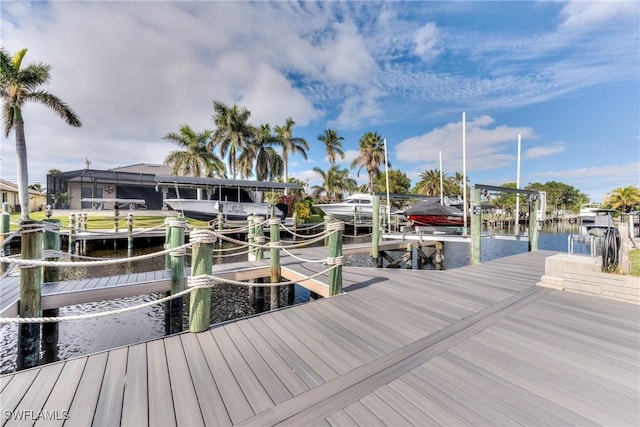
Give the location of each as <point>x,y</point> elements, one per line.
<point>517,223</point>
<point>441,184</point>
<point>386,168</point>
<point>464,169</point>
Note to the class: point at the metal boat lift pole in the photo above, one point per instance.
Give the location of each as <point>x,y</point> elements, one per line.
<point>386,165</point>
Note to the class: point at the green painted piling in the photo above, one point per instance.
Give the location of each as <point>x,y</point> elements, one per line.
<point>50,274</point>
<point>476,224</point>
<point>5,226</point>
<point>375,238</point>
<point>251,255</point>
<point>251,238</point>
<point>335,252</point>
<point>174,307</point>
<point>30,296</point>
<point>200,301</point>
<point>167,242</point>
<point>259,238</point>
<point>327,221</point>
<point>274,254</point>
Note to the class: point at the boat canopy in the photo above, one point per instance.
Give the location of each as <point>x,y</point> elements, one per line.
<point>424,207</point>
<point>194,181</point>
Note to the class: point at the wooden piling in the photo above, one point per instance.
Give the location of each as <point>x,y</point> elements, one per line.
<point>438,257</point>
<point>200,301</point>
<point>84,221</point>
<point>51,242</point>
<point>274,254</point>
<point>335,253</point>
<point>130,233</point>
<point>327,221</point>
<point>251,255</point>
<point>174,307</point>
<point>72,233</point>
<point>5,226</point>
<point>375,230</point>
<point>533,223</point>
<point>259,254</point>
<point>116,218</point>
<point>167,242</point>
<point>476,224</point>
<point>30,296</point>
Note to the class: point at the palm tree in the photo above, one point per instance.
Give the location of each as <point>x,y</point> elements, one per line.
<point>232,132</point>
<point>623,199</point>
<point>371,156</point>
<point>18,85</point>
<point>195,159</point>
<point>333,144</point>
<point>290,145</point>
<point>429,184</point>
<point>261,154</point>
<point>335,182</point>
<point>297,192</point>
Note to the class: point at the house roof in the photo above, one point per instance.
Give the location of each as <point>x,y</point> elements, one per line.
<point>147,168</point>
<point>202,181</point>
<point>13,188</point>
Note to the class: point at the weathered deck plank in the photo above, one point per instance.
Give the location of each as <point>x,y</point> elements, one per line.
<point>161,409</point>
<point>109,406</point>
<point>135,406</point>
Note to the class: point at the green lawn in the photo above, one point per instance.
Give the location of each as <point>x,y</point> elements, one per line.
<point>634,260</point>
<point>104,222</point>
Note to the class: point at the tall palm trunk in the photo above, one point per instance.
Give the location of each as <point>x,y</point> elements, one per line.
<point>22,169</point>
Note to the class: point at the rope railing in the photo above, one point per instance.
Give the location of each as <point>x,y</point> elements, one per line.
<point>193,283</point>
<point>51,258</point>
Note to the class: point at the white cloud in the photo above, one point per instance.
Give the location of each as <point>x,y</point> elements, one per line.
<point>487,147</point>
<point>544,151</point>
<point>271,98</point>
<point>596,181</point>
<point>426,42</point>
<point>583,16</point>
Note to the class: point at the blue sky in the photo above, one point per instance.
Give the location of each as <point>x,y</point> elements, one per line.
<point>563,75</point>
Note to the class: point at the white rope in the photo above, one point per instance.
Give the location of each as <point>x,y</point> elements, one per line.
<point>9,237</point>
<point>4,320</point>
<point>193,283</point>
<point>111,261</point>
<point>335,260</point>
<point>303,259</point>
<point>207,281</point>
<point>303,236</point>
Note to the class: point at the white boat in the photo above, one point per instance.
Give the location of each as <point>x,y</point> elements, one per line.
<point>587,214</point>
<point>357,206</point>
<point>206,198</point>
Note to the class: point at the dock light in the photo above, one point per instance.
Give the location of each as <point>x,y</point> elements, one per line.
<point>48,211</point>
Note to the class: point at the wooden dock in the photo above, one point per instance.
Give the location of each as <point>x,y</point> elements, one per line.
<point>477,345</point>
<point>80,291</point>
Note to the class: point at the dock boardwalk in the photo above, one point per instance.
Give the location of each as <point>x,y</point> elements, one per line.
<point>79,291</point>
<point>476,345</point>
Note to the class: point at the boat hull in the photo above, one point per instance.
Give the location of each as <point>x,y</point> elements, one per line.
<point>209,209</point>
<point>437,220</point>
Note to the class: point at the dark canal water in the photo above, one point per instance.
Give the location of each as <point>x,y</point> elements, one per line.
<point>88,336</point>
